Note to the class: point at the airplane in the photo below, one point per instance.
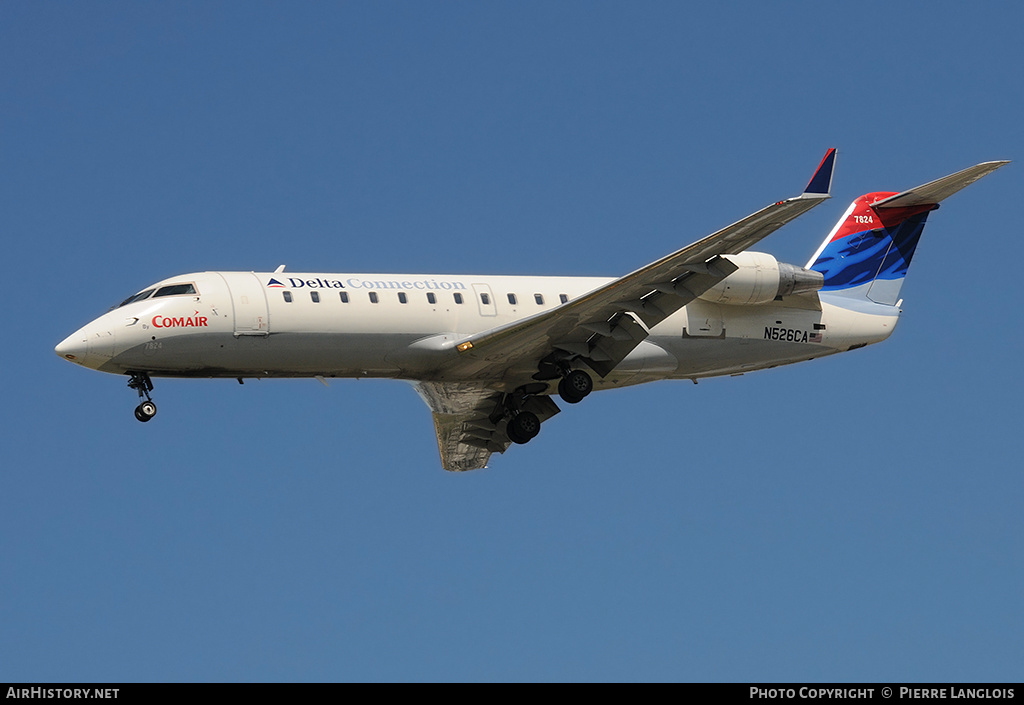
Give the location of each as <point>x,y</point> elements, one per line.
<point>487,353</point>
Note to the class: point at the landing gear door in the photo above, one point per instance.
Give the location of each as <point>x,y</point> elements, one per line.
<point>249,298</point>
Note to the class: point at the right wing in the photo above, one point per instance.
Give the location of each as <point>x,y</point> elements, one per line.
<point>604,325</point>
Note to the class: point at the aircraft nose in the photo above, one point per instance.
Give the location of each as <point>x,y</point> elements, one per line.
<point>91,346</point>
<point>73,348</point>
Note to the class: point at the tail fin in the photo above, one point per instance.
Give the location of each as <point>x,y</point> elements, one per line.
<point>869,250</point>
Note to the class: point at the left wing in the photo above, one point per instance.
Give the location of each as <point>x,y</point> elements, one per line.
<point>468,421</point>
<point>604,325</point>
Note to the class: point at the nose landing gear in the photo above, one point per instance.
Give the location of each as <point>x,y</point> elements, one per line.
<point>143,385</point>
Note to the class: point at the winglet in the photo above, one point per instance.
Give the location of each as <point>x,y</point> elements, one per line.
<point>821,183</point>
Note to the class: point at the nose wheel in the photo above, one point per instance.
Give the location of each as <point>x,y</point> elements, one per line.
<point>141,383</point>
<point>145,411</point>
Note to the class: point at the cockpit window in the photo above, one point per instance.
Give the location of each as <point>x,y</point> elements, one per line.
<point>138,297</point>
<point>175,290</point>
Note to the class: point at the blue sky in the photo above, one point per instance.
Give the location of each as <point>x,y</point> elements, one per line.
<point>851,519</point>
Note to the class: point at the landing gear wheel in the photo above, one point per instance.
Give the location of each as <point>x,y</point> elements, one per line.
<point>145,411</point>
<point>523,427</point>
<point>514,436</point>
<point>140,382</point>
<point>575,386</point>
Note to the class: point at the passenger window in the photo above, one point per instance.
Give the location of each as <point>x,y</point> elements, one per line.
<point>485,299</point>
<point>373,297</point>
<point>287,296</point>
<point>344,296</point>
<point>431,298</point>
<point>563,298</point>
<point>315,296</point>
<point>175,290</point>
<point>512,299</point>
<point>458,298</point>
<point>539,298</point>
<point>402,298</point>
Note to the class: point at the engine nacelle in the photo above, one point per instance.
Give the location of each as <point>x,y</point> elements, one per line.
<point>761,278</point>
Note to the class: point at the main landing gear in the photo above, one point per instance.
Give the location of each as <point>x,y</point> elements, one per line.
<point>143,385</point>
<point>526,407</point>
<point>523,427</point>
<point>574,386</point>
<point>523,412</point>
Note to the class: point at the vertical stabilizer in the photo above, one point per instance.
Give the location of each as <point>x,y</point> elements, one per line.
<point>868,252</point>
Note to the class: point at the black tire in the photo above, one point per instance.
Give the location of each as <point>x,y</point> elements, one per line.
<point>566,394</point>
<point>575,386</point>
<point>514,435</point>
<point>145,411</point>
<point>523,427</point>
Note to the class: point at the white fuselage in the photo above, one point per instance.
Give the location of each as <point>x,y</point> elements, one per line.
<point>241,324</point>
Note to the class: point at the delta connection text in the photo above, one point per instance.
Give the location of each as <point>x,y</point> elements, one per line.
<point>946,692</point>
<point>357,283</point>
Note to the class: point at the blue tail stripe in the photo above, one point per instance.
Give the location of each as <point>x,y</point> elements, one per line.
<point>904,244</point>
<point>860,258</point>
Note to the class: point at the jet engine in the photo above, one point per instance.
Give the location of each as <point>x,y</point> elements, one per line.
<point>761,278</point>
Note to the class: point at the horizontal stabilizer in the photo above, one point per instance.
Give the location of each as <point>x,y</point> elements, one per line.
<point>934,191</point>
